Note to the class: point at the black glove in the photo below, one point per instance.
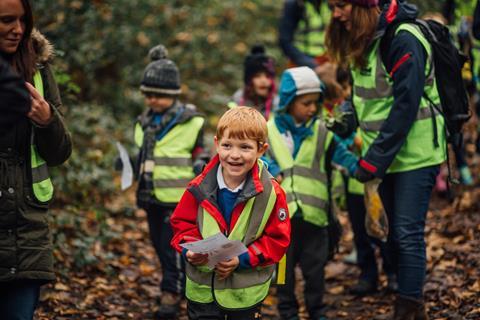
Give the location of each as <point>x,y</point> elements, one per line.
<point>363,175</point>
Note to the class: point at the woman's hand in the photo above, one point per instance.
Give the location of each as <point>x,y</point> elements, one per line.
<point>40,111</point>
<point>197,259</point>
<point>225,268</point>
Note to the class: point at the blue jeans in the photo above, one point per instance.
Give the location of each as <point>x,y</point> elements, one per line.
<point>18,299</point>
<point>406,196</point>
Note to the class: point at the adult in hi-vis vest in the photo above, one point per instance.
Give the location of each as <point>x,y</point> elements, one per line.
<point>301,37</point>
<point>36,140</point>
<point>403,137</point>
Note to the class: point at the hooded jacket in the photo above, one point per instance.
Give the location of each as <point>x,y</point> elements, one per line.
<point>25,240</point>
<point>405,61</point>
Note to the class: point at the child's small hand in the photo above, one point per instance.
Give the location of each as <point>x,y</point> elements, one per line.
<point>197,259</point>
<point>225,268</point>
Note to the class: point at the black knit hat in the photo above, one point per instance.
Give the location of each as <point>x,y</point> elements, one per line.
<point>257,61</point>
<point>161,75</point>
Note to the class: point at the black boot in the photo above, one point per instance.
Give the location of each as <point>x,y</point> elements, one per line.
<point>407,308</point>
<point>363,287</point>
<point>169,305</point>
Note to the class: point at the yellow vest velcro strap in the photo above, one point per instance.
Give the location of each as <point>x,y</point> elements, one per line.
<point>306,172</point>
<point>177,183</point>
<point>237,280</point>
<point>177,162</point>
<point>423,113</point>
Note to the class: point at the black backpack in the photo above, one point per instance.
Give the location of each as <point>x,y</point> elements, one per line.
<point>448,62</point>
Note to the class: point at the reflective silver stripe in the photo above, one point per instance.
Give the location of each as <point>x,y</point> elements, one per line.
<point>290,197</point>
<point>423,113</point>
<point>237,280</point>
<point>200,218</point>
<point>322,136</point>
<point>178,162</point>
<point>40,173</point>
<point>305,172</point>
<point>259,207</point>
<point>177,183</point>
<point>312,201</point>
<point>382,88</point>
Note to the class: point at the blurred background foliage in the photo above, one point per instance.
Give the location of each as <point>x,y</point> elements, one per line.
<point>102,49</point>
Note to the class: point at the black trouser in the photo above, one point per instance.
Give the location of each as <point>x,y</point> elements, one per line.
<point>308,248</point>
<point>211,311</point>
<point>173,266</point>
<point>365,251</point>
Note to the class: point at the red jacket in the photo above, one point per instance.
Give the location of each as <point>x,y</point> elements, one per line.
<point>266,250</point>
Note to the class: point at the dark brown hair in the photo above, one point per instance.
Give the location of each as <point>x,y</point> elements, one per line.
<point>24,59</point>
<point>349,47</point>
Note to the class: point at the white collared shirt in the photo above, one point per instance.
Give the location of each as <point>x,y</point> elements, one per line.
<point>221,181</point>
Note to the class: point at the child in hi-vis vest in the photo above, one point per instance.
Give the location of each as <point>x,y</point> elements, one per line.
<point>237,196</point>
<point>170,137</point>
<point>301,154</point>
<point>259,90</point>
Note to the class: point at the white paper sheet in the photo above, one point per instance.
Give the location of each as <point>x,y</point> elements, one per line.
<point>127,171</point>
<point>218,247</point>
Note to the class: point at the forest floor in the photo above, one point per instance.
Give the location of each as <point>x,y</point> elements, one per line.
<point>118,274</point>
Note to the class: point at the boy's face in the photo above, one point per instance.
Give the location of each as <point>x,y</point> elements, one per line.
<point>237,157</point>
<point>158,102</point>
<point>304,107</point>
<point>261,84</point>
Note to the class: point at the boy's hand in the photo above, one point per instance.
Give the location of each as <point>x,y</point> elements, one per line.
<point>225,268</point>
<point>197,259</point>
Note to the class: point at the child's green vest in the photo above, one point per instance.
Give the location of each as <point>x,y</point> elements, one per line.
<point>310,34</point>
<point>243,288</point>
<point>172,164</point>
<point>41,183</point>
<point>373,98</point>
<point>305,180</point>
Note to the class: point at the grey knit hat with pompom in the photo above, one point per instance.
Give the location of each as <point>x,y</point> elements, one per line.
<point>161,75</point>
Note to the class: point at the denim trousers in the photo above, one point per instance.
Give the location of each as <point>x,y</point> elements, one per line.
<point>18,299</point>
<point>406,196</point>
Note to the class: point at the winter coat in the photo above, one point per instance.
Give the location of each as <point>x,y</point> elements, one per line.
<point>25,239</point>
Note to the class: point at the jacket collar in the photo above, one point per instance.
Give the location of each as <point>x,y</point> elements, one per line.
<point>205,186</point>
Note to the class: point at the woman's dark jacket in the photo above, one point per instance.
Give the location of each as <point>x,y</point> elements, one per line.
<point>25,239</point>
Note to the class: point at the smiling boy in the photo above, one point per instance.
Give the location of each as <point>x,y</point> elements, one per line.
<point>237,196</point>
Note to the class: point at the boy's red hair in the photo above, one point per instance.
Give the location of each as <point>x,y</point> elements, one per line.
<point>243,123</point>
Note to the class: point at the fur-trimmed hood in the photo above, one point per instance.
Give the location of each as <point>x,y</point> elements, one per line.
<point>43,48</point>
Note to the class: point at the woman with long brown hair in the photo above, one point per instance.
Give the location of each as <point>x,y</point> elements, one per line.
<point>403,138</point>
<point>37,139</point>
